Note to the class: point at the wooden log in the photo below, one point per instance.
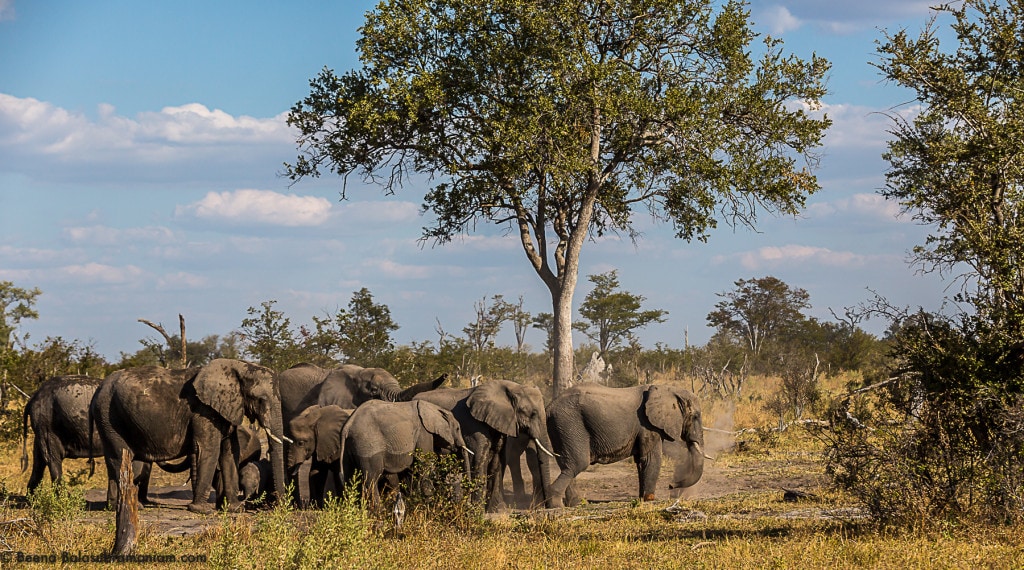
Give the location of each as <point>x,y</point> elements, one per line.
<point>127,525</point>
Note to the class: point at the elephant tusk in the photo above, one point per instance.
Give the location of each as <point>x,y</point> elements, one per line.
<point>542,448</point>
<point>701,451</point>
<point>468,450</point>
<point>276,439</point>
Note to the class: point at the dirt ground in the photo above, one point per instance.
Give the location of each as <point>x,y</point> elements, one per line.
<point>611,483</point>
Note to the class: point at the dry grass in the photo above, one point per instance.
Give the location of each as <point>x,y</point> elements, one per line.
<point>738,530</point>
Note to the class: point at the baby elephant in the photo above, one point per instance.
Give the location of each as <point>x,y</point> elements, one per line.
<point>380,439</point>
<point>316,434</point>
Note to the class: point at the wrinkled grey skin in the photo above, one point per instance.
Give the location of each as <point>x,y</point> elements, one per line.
<point>515,448</point>
<point>380,438</point>
<point>159,414</point>
<point>590,424</point>
<point>490,413</point>
<point>316,435</point>
<point>59,414</point>
<point>346,386</point>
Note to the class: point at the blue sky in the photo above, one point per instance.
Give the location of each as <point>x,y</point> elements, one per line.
<point>141,145</point>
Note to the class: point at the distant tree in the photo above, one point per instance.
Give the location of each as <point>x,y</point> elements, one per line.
<point>16,305</point>
<point>269,339</point>
<point>758,310</point>
<point>366,328</point>
<point>546,323</point>
<point>562,118</point>
<point>610,316</point>
<point>481,333</point>
<point>521,320</point>
<point>157,353</point>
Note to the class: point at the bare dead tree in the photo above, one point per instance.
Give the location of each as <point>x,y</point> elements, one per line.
<point>170,340</point>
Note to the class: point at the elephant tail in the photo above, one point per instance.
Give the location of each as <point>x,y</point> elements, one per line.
<point>24,440</point>
<point>92,458</point>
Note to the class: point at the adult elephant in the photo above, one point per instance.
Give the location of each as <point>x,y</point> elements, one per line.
<point>346,386</point>
<point>590,424</point>
<point>58,412</point>
<point>490,413</point>
<point>316,435</point>
<point>159,414</point>
<point>380,438</point>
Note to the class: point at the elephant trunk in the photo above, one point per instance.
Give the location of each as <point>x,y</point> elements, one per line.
<point>277,453</point>
<point>392,394</point>
<point>689,466</point>
<point>545,462</point>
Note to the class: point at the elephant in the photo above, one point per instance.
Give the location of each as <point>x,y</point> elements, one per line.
<point>380,439</point>
<point>347,386</point>
<point>515,448</point>
<point>316,435</point>
<point>59,415</point>
<point>589,423</point>
<point>159,414</point>
<point>489,413</point>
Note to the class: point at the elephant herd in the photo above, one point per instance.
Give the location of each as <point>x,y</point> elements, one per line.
<point>347,420</point>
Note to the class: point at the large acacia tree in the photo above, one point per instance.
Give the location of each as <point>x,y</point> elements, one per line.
<point>560,119</point>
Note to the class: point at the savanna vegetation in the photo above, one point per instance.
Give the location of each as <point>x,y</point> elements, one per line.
<point>906,446</point>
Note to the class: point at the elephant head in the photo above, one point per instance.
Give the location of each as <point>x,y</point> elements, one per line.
<point>511,408</point>
<point>317,432</point>
<point>442,423</point>
<point>676,414</point>
<point>350,385</point>
<point>237,390</point>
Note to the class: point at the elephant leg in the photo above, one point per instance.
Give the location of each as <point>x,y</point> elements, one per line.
<point>38,467</point>
<point>113,445</point>
<point>142,471</point>
<point>228,495</point>
<point>572,462</point>
<point>648,467</point>
<point>534,465</point>
<point>495,467</point>
<point>318,477</point>
<point>206,448</point>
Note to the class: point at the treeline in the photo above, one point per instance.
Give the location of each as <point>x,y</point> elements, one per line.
<point>761,329</point>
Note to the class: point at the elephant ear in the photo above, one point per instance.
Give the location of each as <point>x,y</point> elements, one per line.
<point>493,404</point>
<point>437,421</point>
<point>219,386</point>
<point>663,410</point>
<point>328,432</point>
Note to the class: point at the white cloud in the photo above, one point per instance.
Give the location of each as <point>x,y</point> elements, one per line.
<point>44,140</point>
<point>265,207</point>
<point>390,211</point>
<point>774,256</point>
<point>394,270</point>
<point>869,205</point>
<point>100,273</point>
<point>182,280</point>
<point>835,17</point>
<point>107,236</point>
<point>7,10</point>
<point>778,20</point>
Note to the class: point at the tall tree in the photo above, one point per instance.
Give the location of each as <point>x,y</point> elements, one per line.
<point>482,331</point>
<point>560,118</point>
<point>610,315</point>
<point>269,336</point>
<point>16,305</point>
<point>366,329</point>
<point>958,163</point>
<point>757,310</point>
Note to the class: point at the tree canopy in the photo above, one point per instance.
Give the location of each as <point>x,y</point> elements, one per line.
<point>611,315</point>
<point>759,309</point>
<point>562,118</point>
<point>956,164</point>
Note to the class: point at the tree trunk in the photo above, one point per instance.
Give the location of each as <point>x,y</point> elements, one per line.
<point>127,524</point>
<point>564,356</point>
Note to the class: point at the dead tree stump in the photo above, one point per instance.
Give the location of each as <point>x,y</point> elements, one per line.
<point>127,504</point>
